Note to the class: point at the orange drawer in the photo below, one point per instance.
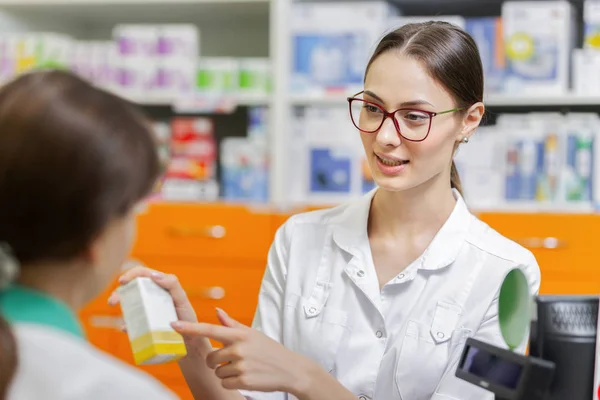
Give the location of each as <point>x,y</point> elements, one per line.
<point>564,245</point>
<point>218,284</point>
<point>207,230</point>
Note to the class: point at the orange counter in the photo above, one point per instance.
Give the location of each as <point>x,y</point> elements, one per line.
<point>219,253</point>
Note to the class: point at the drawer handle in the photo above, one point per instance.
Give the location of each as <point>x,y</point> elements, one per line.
<point>549,243</point>
<point>213,232</point>
<point>107,322</point>
<point>210,293</point>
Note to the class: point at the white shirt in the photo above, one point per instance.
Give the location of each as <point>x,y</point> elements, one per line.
<point>320,297</point>
<point>55,365</point>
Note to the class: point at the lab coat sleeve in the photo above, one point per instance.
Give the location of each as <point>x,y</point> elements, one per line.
<point>269,313</point>
<point>453,388</point>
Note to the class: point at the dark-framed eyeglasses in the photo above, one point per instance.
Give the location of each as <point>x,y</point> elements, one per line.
<point>411,123</point>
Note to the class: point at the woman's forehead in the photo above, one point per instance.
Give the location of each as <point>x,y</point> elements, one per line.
<point>397,78</point>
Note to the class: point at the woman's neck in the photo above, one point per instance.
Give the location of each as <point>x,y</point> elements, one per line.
<point>62,282</point>
<point>421,209</point>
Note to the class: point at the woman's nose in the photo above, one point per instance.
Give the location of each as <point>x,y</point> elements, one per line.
<point>388,135</point>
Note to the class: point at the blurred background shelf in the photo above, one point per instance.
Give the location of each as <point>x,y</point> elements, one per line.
<point>491,101</point>
<point>229,27</point>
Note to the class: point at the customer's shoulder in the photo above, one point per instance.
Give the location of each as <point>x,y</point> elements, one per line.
<point>54,359</point>
<point>487,239</point>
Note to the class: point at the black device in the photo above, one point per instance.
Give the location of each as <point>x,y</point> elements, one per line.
<point>565,334</point>
<point>509,375</point>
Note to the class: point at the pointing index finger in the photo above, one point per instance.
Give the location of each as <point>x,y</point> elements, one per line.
<point>222,334</point>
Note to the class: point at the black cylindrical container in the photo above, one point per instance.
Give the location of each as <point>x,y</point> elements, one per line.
<point>565,333</point>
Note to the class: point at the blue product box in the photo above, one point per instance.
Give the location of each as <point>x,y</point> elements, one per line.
<point>330,171</point>
<point>487,33</point>
<point>328,61</point>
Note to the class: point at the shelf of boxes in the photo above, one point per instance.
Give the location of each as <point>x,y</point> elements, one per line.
<point>153,53</point>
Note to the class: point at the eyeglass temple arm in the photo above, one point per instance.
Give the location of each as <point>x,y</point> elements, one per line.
<point>354,95</point>
<point>449,111</point>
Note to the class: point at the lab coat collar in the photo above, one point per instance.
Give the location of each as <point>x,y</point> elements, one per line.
<point>350,232</point>
<point>22,304</point>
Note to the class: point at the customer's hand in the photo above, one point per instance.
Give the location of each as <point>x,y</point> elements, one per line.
<point>183,307</point>
<point>250,360</point>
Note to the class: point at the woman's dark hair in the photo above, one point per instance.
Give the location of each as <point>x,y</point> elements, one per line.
<point>449,55</point>
<point>72,159</point>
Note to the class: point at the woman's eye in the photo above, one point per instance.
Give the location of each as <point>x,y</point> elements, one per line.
<point>372,108</point>
<point>416,116</point>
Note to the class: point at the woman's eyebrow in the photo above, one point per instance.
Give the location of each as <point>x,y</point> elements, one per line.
<point>411,103</point>
<point>373,95</point>
<point>415,103</point>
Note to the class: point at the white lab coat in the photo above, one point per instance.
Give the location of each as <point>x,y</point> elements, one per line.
<point>56,365</point>
<point>320,296</point>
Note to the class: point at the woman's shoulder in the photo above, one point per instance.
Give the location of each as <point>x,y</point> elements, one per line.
<point>505,251</point>
<point>491,241</point>
<point>57,365</point>
<point>339,215</point>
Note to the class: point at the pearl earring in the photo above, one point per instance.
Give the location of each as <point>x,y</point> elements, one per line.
<point>465,140</point>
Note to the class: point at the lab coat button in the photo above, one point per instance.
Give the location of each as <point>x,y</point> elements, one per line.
<point>379,334</point>
<point>440,335</point>
<point>362,397</point>
<point>400,276</point>
<point>360,273</point>
<point>312,310</point>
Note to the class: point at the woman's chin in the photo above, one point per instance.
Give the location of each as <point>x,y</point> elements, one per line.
<point>393,184</point>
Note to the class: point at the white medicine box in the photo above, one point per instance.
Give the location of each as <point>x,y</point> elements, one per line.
<point>332,42</point>
<point>148,311</point>
<point>591,24</point>
<point>539,37</point>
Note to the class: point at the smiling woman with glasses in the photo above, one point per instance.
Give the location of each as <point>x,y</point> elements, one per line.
<point>374,299</point>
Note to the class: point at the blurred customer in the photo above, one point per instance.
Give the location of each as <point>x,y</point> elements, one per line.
<point>375,298</point>
<point>75,162</point>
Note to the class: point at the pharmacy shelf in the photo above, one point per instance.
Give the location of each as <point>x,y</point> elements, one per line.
<point>96,17</point>
<point>26,3</point>
<point>492,101</point>
<point>203,101</point>
<point>535,208</point>
<point>526,101</point>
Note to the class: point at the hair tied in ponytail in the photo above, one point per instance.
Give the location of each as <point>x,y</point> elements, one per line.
<point>9,266</point>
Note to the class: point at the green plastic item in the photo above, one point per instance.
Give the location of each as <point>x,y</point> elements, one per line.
<point>514,308</point>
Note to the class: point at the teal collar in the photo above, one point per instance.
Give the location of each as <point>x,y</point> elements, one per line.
<point>21,304</point>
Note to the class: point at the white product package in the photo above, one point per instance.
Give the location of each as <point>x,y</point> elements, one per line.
<point>137,59</point>
<point>586,72</point>
<point>332,42</point>
<point>177,53</point>
<point>539,37</point>
<point>591,24</point>
<point>481,165</point>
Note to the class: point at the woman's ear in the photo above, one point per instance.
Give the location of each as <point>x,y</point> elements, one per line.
<point>471,120</point>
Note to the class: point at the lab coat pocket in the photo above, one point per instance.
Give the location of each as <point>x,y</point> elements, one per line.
<point>318,331</point>
<point>427,351</point>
